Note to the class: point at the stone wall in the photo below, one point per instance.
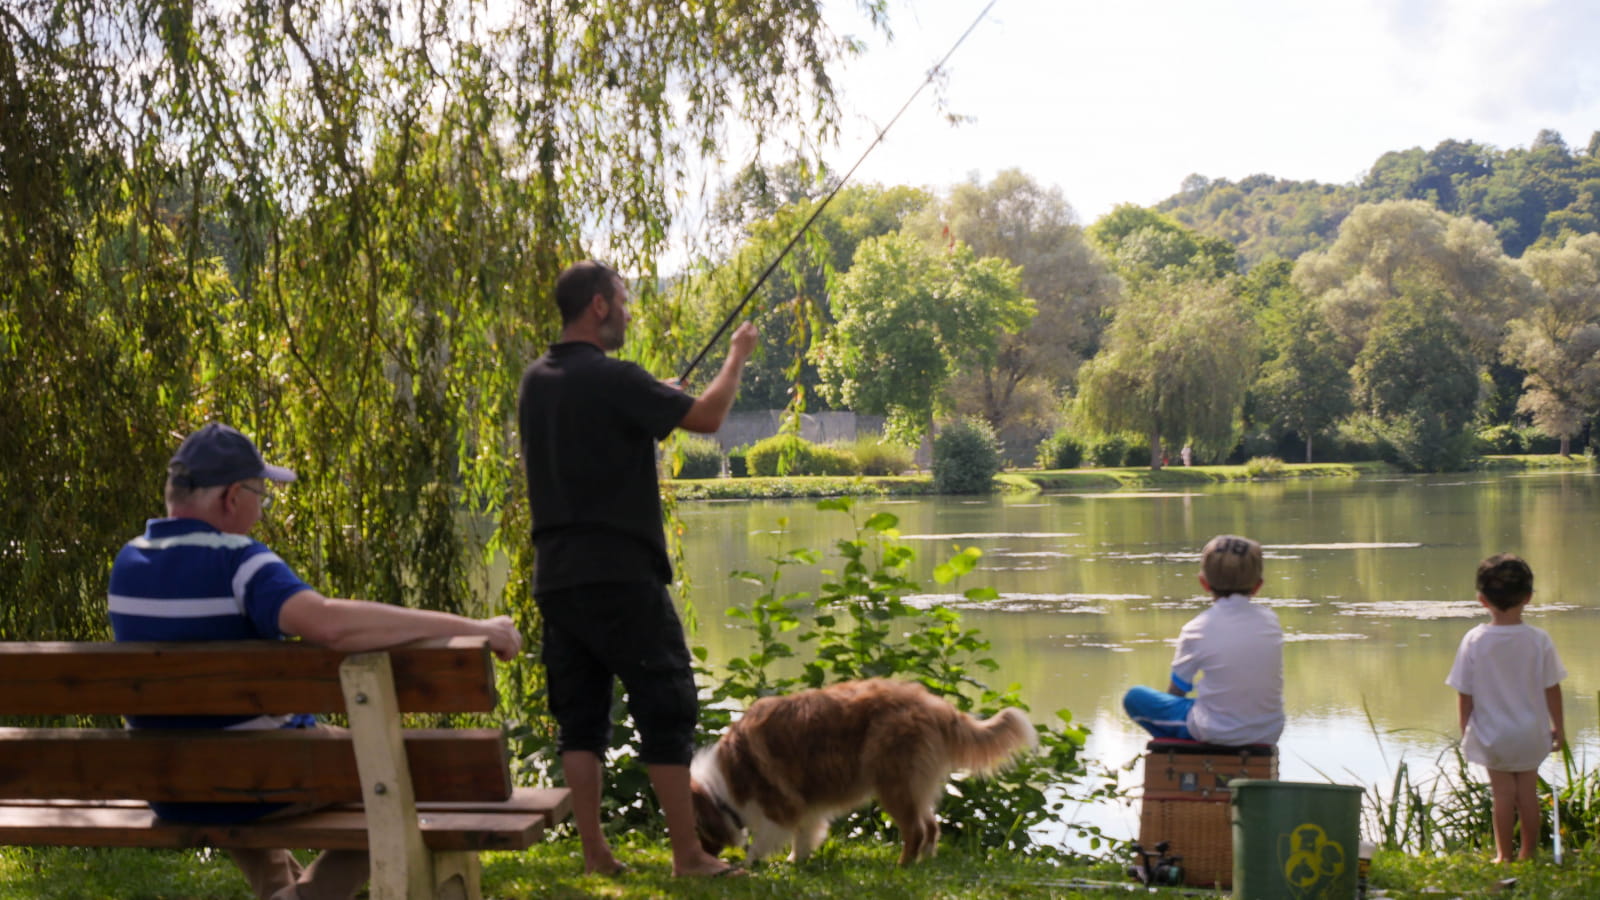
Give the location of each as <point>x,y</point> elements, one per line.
<point>744,428</point>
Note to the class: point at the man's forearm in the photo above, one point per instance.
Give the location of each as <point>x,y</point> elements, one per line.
<point>711,407</point>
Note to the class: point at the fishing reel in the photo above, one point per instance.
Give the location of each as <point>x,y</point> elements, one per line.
<point>1158,869</point>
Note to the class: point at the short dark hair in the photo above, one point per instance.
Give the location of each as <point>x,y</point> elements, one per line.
<point>1505,580</point>
<point>578,283</point>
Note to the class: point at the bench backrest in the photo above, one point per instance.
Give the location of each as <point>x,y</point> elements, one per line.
<point>245,678</point>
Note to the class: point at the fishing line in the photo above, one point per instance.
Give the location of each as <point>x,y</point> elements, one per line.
<point>932,73</point>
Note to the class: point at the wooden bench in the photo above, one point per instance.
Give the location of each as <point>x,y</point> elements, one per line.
<point>424,802</point>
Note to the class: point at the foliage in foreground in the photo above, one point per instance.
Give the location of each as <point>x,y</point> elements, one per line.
<point>871,620</point>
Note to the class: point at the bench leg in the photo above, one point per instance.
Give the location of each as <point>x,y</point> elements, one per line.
<point>458,874</point>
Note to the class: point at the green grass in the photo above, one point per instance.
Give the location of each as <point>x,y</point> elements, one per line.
<point>1467,875</point>
<point>849,871</point>
<point>840,871</point>
<point>1021,480</point>
<point>1521,461</point>
<point>799,486</point>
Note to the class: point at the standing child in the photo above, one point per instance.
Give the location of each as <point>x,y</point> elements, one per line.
<point>1237,644</point>
<point>1501,672</point>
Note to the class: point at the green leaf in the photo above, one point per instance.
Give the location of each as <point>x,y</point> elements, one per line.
<point>882,521</point>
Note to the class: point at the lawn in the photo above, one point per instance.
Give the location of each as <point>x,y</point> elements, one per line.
<point>846,871</point>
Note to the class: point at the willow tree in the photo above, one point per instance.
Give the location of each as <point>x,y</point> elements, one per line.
<point>1558,341</point>
<point>333,225</point>
<point>1387,253</point>
<point>1177,361</point>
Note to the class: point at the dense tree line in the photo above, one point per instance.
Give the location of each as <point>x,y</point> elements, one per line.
<point>1529,196</point>
<point>1402,332</point>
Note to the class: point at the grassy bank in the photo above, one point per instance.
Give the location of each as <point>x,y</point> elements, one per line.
<point>847,871</point>
<point>1016,481</point>
<point>1030,480</point>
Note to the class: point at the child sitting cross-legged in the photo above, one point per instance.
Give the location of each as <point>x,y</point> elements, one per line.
<point>1237,645</point>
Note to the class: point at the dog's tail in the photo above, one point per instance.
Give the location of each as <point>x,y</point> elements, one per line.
<point>983,747</point>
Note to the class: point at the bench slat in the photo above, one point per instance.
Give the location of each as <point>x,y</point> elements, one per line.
<point>554,803</point>
<point>130,826</point>
<point>230,678</point>
<point>284,766</point>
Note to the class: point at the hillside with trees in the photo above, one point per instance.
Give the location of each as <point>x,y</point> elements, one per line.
<point>1529,196</point>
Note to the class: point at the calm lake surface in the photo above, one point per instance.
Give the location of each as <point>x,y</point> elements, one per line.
<point>1371,578</point>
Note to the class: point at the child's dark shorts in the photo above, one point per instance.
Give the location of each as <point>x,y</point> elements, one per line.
<point>595,633</point>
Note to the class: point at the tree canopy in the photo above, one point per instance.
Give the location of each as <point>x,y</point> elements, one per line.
<point>910,315</point>
<point>334,226</point>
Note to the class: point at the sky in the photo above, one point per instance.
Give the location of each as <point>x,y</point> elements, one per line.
<point>1117,101</point>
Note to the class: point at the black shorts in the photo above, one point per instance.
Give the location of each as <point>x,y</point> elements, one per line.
<point>597,633</point>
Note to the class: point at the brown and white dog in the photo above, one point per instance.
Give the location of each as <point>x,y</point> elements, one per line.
<point>790,764</point>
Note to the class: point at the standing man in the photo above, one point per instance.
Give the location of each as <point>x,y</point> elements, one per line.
<point>197,575</point>
<point>589,426</point>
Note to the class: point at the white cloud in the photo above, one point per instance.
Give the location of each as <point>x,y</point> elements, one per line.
<point>1117,102</point>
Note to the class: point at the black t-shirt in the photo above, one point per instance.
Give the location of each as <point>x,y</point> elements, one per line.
<point>589,427</point>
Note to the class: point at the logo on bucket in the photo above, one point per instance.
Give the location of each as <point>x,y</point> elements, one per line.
<point>1312,863</point>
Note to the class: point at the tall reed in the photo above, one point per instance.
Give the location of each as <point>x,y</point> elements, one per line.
<point>1450,809</point>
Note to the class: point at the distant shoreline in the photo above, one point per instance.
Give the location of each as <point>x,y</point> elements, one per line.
<point>1032,480</point>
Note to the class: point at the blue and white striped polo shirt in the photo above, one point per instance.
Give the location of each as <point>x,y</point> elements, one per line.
<point>184,580</point>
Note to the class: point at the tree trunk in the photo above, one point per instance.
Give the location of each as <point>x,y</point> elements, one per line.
<point>1308,448</point>
<point>1155,450</point>
<point>1566,445</point>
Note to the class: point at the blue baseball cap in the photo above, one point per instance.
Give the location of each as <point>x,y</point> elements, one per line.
<point>217,455</point>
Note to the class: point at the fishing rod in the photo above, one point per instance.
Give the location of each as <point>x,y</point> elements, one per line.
<point>771,267</point>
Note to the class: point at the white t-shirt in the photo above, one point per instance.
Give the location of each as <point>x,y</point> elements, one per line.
<point>1505,669</point>
<point>1239,647</point>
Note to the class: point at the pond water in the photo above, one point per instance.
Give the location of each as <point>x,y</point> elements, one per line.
<point>1372,579</point>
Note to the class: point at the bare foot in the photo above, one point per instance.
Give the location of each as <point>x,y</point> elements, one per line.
<point>603,865</point>
<point>716,868</point>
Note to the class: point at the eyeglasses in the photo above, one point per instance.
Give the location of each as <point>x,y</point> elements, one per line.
<point>264,494</point>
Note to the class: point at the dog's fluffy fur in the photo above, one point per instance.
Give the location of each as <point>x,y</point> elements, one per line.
<point>791,764</point>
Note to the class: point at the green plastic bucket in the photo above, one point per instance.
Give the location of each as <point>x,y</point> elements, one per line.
<point>1295,841</point>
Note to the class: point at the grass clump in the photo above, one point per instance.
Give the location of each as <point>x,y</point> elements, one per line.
<point>1264,467</point>
<point>878,455</point>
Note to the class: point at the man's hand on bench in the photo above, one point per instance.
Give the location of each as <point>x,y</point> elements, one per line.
<point>505,641</point>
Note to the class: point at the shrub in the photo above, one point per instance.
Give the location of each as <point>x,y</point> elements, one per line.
<point>797,456</point>
<point>1138,454</point>
<point>1107,451</point>
<point>1499,440</point>
<point>1060,451</point>
<point>1536,441</point>
<point>1264,467</point>
<point>738,467</point>
<point>702,457</point>
<point>966,457</point>
<point>878,455</point>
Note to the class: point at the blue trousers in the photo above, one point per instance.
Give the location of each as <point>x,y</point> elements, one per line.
<point>1162,714</point>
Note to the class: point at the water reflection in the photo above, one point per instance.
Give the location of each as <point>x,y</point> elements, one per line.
<point>1372,580</point>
